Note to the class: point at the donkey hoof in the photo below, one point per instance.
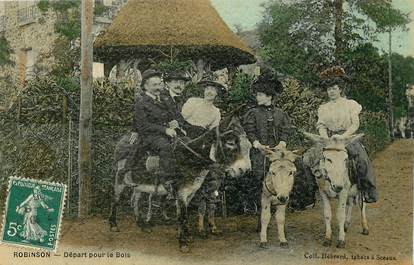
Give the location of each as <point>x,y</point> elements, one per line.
<point>340,244</point>
<point>114,229</point>
<point>284,244</point>
<point>184,248</point>
<point>365,232</point>
<point>264,245</point>
<point>327,242</point>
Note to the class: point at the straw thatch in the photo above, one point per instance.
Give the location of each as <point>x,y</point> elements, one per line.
<point>148,28</point>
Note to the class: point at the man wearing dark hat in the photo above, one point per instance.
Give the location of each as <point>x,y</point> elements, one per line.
<point>265,125</point>
<point>172,95</point>
<point>152,120</point>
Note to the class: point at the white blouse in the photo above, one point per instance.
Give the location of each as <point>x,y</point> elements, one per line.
<point>198,113</point>
<point>338,115</point>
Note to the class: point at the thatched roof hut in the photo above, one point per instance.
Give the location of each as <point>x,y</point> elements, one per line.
<point>149,28</point>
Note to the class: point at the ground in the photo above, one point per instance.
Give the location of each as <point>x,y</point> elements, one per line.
<point>390,221</point>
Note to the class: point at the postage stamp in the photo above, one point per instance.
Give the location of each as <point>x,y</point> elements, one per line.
<point>33,213</point>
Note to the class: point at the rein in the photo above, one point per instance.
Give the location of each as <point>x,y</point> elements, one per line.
<point>267,187</point>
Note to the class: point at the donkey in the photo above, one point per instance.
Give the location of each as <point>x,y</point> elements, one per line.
<point>224,151</point>
<point>277,186</point>
<point>334,181</point>
<point>240,166</point>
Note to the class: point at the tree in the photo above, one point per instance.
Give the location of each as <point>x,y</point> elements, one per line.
<point>403,69</point>
<point>301,37</point>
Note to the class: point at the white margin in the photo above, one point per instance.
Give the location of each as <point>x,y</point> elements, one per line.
<point>62,203</point>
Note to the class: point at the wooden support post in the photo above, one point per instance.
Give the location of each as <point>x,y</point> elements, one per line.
<point>85,116</point>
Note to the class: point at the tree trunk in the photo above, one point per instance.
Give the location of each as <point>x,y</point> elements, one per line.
<point>85,115</point>
<point>338,5</point>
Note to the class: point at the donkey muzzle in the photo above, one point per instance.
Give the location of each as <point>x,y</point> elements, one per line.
<point>282,199</point>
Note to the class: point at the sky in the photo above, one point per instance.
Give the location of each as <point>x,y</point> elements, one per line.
<point>247,13</point>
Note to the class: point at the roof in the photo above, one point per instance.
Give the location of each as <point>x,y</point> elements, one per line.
<point>150,27</point>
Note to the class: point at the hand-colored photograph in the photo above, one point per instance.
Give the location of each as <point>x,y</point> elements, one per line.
<point>163,132</point>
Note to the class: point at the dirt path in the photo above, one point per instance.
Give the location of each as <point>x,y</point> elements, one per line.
<point>390,236</point>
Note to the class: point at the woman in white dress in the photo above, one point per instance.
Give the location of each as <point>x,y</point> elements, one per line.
<point>339,118</point>
<point>201,112</point>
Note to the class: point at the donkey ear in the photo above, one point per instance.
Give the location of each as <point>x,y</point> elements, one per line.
<point>316,138</point>
<point>271,154</point>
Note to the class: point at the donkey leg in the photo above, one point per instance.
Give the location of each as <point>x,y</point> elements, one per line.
<point>212,219</point>
<point>118,189</point>
<point>264,220</point>
<point>183,229</point>
<point>340,215</point>
<point>327,214</point>
<point>364,221</point>
<point>202,208</point>
<point>164,213</point>
<point>280,220</point>
<point>349,207</point>
<point>135,203</point>
<point>146,225</point>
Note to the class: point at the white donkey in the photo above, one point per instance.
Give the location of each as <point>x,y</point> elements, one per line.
<point>333,178</point>
<point>277,186</point>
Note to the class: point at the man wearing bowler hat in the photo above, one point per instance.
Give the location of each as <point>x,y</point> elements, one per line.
<point>155,120</point>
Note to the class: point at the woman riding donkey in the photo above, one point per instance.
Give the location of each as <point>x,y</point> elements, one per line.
<point>265,125</point>
<point>339,119</point>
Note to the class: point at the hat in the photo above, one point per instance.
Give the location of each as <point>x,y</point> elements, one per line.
<point>175,76</point>
<point>207,83</point>
<point>334,75</point>
<point>147,74</point>
<point>266,84</point>
<point>332,72</point>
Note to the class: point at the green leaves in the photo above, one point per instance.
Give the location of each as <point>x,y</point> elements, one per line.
<point>5,51</point>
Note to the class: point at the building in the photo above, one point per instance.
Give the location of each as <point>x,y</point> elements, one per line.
<point>30,34</point>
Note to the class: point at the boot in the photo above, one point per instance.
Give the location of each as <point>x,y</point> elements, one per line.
<point>370,194</point>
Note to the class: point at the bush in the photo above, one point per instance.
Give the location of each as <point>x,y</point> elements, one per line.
<point>375,127</point>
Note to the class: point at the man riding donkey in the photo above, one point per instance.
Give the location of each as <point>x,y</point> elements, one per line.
<point>157,120</point>
<point>339,118</point>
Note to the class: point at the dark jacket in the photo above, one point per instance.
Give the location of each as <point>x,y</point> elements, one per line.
<point>151,117</point>
<point>259,125</point>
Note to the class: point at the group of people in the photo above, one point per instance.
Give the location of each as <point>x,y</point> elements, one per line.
<point>161,115</point>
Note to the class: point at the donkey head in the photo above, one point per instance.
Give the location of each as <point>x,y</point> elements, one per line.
<point>333,164</point>
<point>279,180</point>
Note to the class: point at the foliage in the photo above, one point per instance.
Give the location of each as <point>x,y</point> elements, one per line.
<point>173,66</point>
<point>43,5</point>
<point>298,37</point>
<point>375,127</point>
<point>67,58</point>
<point>5,51</point>
<point>100,9</point>
<point>68,13</point>
<point>239,95</point>
<point>301,105</point>
<point>368,77</point>
<point>402,75</point>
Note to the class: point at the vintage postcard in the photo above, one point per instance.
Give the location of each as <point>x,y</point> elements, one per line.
<point>206,132</point>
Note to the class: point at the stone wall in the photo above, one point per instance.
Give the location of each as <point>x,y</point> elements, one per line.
<point>35,33</point>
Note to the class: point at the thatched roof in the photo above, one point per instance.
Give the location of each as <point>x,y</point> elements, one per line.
<point>143,28</point>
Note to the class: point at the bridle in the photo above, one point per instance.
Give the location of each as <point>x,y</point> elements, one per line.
<point>323,170</point>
